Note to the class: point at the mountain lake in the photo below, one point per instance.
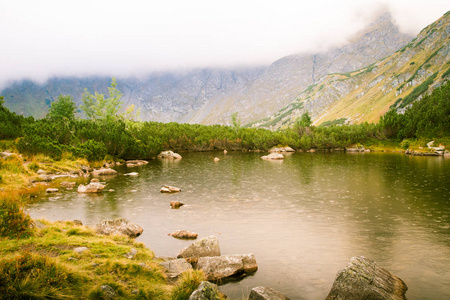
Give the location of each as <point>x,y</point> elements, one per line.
<point>303,217</point>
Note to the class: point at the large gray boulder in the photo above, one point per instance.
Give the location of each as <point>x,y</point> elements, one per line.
<point>175,267</point>
<point>208,246</point>
<point>206,291</point>
<point>364,279</point>
<point>219,267</point>
<point>265,293</point>
<point>119,226</point>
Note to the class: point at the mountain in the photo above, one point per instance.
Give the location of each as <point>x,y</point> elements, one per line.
<point>367,93</point>
<point>210,96</point>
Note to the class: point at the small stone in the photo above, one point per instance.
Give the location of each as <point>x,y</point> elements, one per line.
<point>95,180</point>
<point>119,226</point>
<point>208,246</point>
<point>108,292</point>
<point>51,190</point>
<point>216,159</point>
<point>95,265</point>
<point>169,189</point>
<point>72,259</point>
<point>104,171</point>
<point>40,171</point>
<point>77,222</point>
<point>134,292</point>
<point>132,174</point>
<point>131,254</point>
<point>80,250</point>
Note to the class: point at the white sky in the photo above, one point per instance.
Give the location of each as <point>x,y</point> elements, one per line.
<point>42,38</point>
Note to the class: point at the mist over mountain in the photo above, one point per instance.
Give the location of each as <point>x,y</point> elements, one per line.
<point>211,95</point>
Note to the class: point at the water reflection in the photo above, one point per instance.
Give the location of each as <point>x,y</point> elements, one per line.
<point>303,218</point>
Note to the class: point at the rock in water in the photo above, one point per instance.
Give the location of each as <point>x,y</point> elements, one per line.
<point>208,246</point>
<point>265,293</point>
<point>119,226</point>
<point>176,204</point>
<point>169,155</point>
<point>364,279</point>
<point>219,267</point>
<point>169,189</point>
<point>51,190</point>
<point>93,187</point>
<point>184,234</point>
<point>206,291</point>
<point>104,171</point>
<point>273,156</point>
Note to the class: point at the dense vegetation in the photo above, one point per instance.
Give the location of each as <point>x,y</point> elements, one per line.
<point>105,132</point>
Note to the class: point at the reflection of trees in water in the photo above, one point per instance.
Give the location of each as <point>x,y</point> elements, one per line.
<point>99,206</point>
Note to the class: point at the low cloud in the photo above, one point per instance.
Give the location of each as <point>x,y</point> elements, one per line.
<point>81,38</point>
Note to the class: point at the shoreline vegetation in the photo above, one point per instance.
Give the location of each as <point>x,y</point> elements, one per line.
<point>65,144</point>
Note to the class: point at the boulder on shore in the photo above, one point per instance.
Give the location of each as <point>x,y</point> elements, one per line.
<point>364,279</point>
<point>219,267</point>
<point>206,291</point>
<point>175,267</point>
<point>265,293</point>
<point>273,156</point>
<point>119,226</point>
<point>281,149</point>
<point>208,246</point>
<point>169,155</point>
<point>169,189</point>
<point>184,234</point>
<point>93,187</point>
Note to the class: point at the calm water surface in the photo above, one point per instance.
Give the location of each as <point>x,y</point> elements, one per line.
<point>304,218</point>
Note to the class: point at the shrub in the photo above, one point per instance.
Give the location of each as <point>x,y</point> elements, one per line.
<point>14,223</point>
<point>92,150</point>
<point>186,284</point>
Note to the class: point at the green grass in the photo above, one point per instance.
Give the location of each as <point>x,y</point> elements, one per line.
<point>186,284</point>
<point>38,266</point>
<point>333,122</point>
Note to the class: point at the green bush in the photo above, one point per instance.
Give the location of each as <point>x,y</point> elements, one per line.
<point>14,223</point>
<point>92,150</point>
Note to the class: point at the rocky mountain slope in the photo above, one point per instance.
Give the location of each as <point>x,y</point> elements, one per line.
<point>281,83</point>
<point>367,93</point>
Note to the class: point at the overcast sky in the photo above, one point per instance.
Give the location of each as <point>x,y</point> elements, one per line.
<point>44,38</point>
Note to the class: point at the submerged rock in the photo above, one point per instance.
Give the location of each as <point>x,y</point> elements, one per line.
<point>206,291</point>
<point>175,267</point>
<point>364,279</point>
<point>169,189</point>
<point>119,226</point>
<point>184,234</point>
<point>274,156</point>
<point>132,174</point>
<point>219,267</point>
<point>208,246</point>
<point>169,155</point>
<point>265,293</point>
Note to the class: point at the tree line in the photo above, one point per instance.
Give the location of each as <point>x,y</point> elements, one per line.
<point>106,132</point>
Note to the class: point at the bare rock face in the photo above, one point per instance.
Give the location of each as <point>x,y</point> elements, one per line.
<point>175,267</point>
<point>364,279</point>
<point>219,267</point>
<point>265,293</point>
<point>169,189</point>
<point>119,226</point>
<point>206,291</point>
<point>273,156</point>
<point>169,155</point>
<point>184,234</point>
<point>104,171</point>
<point>208,246</point>
<point>93,187</point>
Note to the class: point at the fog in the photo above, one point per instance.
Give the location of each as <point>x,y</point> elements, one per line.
<point>47,38</point>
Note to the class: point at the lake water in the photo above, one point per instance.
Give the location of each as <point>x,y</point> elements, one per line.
<point>304,217</point>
